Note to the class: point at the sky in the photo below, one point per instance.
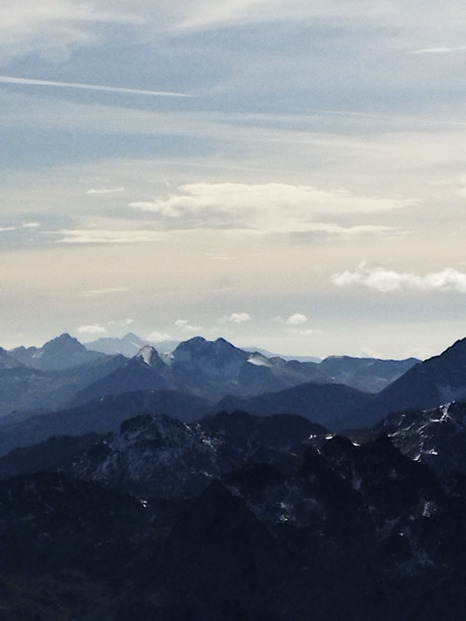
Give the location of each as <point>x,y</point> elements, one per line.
<point>289,175</point>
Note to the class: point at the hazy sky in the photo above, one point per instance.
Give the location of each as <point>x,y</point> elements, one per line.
<point>284,173</point>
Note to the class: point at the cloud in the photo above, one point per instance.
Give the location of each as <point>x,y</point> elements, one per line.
<point>331,230</point>
<point>122,323</point>
<point>433,50</point>
<point>102,236</point>
<point>305,332</point>
<point>104,190</point>
<point>55,27</point>
<point>95,292</point>
<point>275,207</point>
<point>386,280</point>
<point>156,337</point>
<point>439,50</point>
<point>296,319</point>
<point>88,87</point>
<point>236,318</point>
<point>92,329</point>
<point>24,225</point>
<point>185,326</point>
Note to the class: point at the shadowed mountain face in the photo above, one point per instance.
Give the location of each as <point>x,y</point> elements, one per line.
<point>335,406</point>
<point>102,415</point>
<point>232,517</point>
<point>7,361</point>
<point>434,437</point>
<point>434,382</point>
<point>160,455</point>
<point>24,391</point>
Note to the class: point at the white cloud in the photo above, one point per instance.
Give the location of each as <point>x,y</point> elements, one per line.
<point>274,207</point>
<point>185,326</point>
<point>236,318</point>
<point>332,230</point>
<point>24,225</point>
<point>296,319</point>
<point>105,190</point>
<point>122,323</point>
<point>95,292</point>
<point>386,280</point>
<point>433,50</point>
<point>93,329</point>
<point>156,337</point>
<point>101,236</point>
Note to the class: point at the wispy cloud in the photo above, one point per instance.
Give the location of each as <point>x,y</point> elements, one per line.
<point>120,323</point>
<point>89,87</point>
<point>24,225</point>
<point>90,293</point>
<point>100,236</point>
<point>386,280</point>
<point>439,50</point>
<point>99,191</point>
<point>269,207</point>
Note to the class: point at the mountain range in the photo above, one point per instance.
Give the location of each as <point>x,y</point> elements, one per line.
<point>63,373</point>
<point>214,483</point>
<point>232,517</point>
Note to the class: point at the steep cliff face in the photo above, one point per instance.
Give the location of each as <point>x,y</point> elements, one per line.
<point>435,437</point>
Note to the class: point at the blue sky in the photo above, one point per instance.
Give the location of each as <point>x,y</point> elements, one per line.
<point>289,175</point>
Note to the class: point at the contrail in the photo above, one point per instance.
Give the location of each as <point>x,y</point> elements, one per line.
<point>90,87</point>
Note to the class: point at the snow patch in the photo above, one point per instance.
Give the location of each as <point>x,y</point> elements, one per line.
<point>258,360</point>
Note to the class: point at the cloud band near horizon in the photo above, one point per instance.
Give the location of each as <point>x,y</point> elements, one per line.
<point>386,280</point>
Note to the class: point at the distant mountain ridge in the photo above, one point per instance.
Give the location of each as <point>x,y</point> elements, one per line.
<point>62,352</point>
<point>128,345</point>
<point>223,377</point>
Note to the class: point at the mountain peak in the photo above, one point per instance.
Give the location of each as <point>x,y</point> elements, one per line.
<point>60,353</point>
<point>132,338</point>
<point>64,340</point>
<point>149,355</point>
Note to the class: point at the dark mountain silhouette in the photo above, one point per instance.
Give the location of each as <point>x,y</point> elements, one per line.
<point>99,416</point>
<point>342,531</point>
<point>434,382</point>
<point>335,406</point>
